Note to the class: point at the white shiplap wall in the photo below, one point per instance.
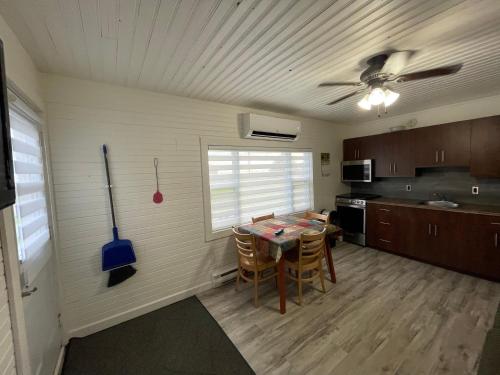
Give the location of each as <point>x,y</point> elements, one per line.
<point>7,360</point>
<point>173,258</point>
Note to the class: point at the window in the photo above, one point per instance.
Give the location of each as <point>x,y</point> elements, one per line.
<point>248,183</point>
<point>30,210</point>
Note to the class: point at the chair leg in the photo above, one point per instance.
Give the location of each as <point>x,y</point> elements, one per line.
<point>238,280</point>
<point>299,285</point>
<point>322,277</point>
<point>256,289</point>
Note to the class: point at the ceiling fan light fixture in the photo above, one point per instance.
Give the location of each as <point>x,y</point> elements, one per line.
<point>365,103</point>
<point>376,96</point>
<point>390,97</point>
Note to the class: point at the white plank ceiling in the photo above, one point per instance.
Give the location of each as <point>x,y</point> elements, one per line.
<point>268,54</point>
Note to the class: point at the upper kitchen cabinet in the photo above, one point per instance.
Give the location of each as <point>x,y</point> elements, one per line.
<point>393,154</point>
<point>358,148</point>
<point>485,147</point>
<point>445,145</point>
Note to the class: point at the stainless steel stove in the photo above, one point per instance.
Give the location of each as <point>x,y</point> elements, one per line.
<point>351,216</point>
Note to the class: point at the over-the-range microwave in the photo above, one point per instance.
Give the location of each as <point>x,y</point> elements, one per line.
<point>357,171</point>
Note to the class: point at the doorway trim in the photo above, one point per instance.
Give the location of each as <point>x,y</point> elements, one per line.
<point>11,264</point>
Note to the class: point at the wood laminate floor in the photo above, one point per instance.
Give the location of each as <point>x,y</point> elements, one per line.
<point>386,315</point>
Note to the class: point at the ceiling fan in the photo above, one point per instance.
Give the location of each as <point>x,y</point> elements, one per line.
<point>383,69</point>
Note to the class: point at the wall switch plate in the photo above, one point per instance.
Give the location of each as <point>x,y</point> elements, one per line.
<point>408,187</point>
<point>475,190</point>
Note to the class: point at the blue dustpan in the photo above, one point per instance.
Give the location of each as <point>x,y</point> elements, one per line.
<point>117,253</point>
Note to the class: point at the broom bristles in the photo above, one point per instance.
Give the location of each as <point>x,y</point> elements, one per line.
<point>119,275</point>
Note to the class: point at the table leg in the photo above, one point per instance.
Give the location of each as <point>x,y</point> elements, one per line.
<point>281,284</point>
<point>329,261</point>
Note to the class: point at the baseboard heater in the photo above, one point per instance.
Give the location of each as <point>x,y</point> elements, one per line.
<point>224,277</point>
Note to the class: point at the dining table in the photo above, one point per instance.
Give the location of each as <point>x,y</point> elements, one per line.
<point>288,240</point>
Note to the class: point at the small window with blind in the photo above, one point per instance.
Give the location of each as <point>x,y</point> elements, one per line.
<point>30,210</point>
<point>246,183</point>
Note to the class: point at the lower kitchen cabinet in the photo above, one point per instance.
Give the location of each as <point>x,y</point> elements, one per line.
<point>481,250</point>
<point>382,227</point>
<point>465,242</point>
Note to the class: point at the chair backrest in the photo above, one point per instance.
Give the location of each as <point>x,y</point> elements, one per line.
<point>312,246</point>
<point>315,216</point>
<point>245,245</point>
<point>260,218</point>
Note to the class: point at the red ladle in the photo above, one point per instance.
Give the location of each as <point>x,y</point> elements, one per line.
<point>157,197</point>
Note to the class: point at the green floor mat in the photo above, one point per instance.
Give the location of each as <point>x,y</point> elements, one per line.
<point>182,338</point>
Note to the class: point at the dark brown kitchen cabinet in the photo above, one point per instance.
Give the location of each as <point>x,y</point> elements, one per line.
<point>433,235</point>
<point>445,145</point>
<point>393,154</point>
<point>351,147</point>
<point>480,248</point>
<point>466,242</point>
<point>359,148</point>
<point>382,227</point>
<point>485,147</point>
<point>424,236</point>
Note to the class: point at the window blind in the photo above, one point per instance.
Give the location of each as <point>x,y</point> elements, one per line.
<point>31,217</point>
<point>249,183</point>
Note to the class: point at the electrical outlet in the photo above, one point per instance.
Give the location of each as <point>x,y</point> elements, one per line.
<point>475,190</point>
<point>408,187</point>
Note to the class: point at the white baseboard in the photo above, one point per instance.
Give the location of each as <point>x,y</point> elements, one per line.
<point>60,361</point>
<point>97,326</point>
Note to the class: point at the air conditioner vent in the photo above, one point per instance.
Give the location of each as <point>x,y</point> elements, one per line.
<point>257,133</point>
<point>270,128</point>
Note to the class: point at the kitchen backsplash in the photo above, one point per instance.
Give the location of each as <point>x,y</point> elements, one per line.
<point>455,183</point>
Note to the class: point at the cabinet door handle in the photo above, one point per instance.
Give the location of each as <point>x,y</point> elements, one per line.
<point>387,241</point>
<point>495,223</point>
<point>435,230</point>
<point>395,168</point>
<point>430,229</point>
<point>384,209</point>
<point>496,240</point>
<point>442,156</point>
<point>384,223</point>
<point>437,156</point>
<point>390,168</point>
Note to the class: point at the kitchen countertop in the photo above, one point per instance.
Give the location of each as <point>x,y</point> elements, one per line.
<point>464,208</point>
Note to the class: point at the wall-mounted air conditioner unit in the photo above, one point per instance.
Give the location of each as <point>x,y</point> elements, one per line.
<point>271,128</point>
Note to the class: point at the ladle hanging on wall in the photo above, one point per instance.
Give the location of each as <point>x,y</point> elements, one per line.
<point>157,196</point>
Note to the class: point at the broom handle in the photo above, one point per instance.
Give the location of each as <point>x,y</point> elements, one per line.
<point>105,151</point>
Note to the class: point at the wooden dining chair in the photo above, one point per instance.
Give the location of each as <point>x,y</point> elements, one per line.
<point>315,216</point>
<point>261,218</point>
<point>252,262</point>
<point>307,258</point>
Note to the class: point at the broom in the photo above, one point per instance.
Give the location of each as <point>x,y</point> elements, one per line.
<point>117,255</point>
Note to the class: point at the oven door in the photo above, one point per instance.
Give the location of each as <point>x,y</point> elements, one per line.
<point>357,171</point>
<point>352,220</point>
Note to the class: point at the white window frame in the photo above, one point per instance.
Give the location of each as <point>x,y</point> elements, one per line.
<point>251,145</point>
<point>18,105</point>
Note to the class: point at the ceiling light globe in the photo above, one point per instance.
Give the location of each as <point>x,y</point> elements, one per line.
<point>377,96</point>
<point>390,97</point>
<point>364,103</point>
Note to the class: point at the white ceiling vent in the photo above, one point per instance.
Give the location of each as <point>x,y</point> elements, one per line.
<point>270,128</point>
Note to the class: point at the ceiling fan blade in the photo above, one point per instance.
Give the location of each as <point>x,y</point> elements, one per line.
<point>442,71</point>
<point>346,97</point>
<point>331,84</point>
<point>396,62</point>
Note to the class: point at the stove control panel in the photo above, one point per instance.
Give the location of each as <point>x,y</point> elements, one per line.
<point>354,202</point>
